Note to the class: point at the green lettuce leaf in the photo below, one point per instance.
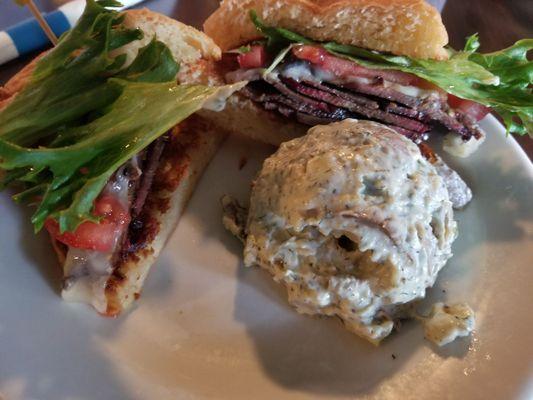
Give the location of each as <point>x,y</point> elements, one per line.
<point>76,173</point>
<point>501,80</point>
<point>277,38</point>
<point>71,80</point>
<point>82,115</point>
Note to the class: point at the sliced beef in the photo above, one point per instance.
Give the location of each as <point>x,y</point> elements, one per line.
<point>459,192</point>
<point>331,96</point>
<point>149,167</point>
<point>283,110</point>
<point>348,96</point>
<point>316,119</point>
<point>376,89</point>
<point>470,124</point>
<point>289,105</point>
<point>360,110</point>
<point>416,137</point>
<point>298,99</point>
<point>311,101</point>
<point>147,163</point>
<point>405,111</point>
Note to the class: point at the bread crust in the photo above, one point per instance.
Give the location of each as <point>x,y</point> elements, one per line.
<point>186,44</point>
<point>17,82</point>
<point>402,27</point>
<point>194,142</point>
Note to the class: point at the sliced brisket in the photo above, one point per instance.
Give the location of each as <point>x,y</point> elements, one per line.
<point>147,163</point>
<point>311,101</point>
<point>360,110</point>
<point>150,164</point>
<point>289,105</point>
<point>378,90</point>
<point>348,96</point>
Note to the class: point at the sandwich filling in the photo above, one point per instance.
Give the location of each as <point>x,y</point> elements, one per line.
<point>314,87</point>
<point>317,82</point>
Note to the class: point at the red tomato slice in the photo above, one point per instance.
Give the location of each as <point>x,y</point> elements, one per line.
<point>345,68</point>
<point>255,58</point>
<point>95,236</point>
<point>313,54</point>
<point>474,110</point>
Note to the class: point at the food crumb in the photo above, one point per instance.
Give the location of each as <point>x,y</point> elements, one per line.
<point>445,323</point>
<point>242,162</point>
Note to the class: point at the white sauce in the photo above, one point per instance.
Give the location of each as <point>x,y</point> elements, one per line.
<point>456,146</point>
<point>353,221</point>
<point>447,323</point>
<point>217,101</point>
<point>86,274</point>
<point>413,91</point>
<point>299,71</point>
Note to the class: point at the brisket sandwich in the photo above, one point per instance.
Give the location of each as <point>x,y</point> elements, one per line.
<point>311,62</point>
<point>99,134</point>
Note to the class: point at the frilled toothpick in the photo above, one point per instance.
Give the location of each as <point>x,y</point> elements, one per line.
<point>40,19</point>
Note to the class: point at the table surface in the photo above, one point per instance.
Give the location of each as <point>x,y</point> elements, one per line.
<point>498,22</point>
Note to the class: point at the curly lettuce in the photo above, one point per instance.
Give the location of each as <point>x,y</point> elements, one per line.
<point>501,80</point>
<point>84,113</point>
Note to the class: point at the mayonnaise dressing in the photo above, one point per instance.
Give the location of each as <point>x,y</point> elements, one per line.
<point>353,221</point>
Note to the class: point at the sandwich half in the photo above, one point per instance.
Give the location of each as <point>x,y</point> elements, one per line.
<point>99,134</point>
<point>312,62</point>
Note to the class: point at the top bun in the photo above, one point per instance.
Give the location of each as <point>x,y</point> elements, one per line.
<point>403,27</point>
<point>186,44</point>
<point>192,49</point>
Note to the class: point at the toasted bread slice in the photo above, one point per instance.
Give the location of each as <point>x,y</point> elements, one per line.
<point>191,146</point>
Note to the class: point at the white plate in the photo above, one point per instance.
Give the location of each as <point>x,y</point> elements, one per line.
<point>206,327</point>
